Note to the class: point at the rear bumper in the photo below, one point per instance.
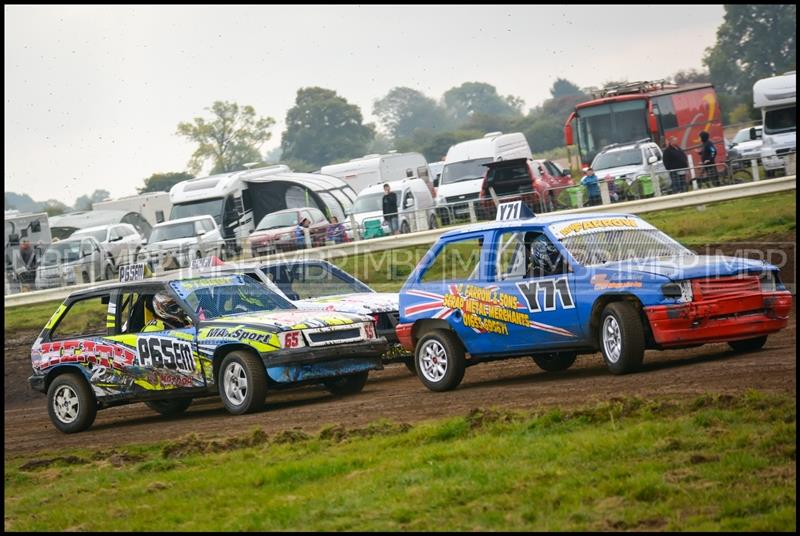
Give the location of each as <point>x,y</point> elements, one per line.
<point>731,318</point>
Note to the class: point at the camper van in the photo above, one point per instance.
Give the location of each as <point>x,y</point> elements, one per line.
<point>238,200</point>
<point>463,171</point>
<point>63,225</point>
<point>153,206</point>
<point>777,99</point>
<point>359,173</point>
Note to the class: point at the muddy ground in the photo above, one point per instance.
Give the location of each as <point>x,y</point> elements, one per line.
<point>396,395</point>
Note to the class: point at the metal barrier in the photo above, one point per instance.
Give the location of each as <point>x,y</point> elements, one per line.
<point>565,200</point>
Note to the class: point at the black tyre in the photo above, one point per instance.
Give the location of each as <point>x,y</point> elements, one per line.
<point>169,408</point>
<point>408,361</point>
<point>621,337</point>
<point>71,404</point>
<point>439,360</point>
<point>555,361</point>
<point>242,382</point>
<point>748,345</point>
<point>347,385</point>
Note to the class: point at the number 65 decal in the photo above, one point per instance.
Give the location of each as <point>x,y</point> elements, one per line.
<point>291,339</point>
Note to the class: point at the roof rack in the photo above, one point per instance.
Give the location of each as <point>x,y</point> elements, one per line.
<point>632,87</point>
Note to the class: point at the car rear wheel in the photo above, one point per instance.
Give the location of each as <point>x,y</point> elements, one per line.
<point>169,408</point>
<point>555,361</point>
<point>347,385</point>
<point>71,403</point>
<point>748,345</point>
<point>242,383</point>
<point>621,338</point>
<point>439,360</point>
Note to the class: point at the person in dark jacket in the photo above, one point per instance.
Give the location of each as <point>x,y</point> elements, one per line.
<point>676,163</point>
<point>708,154</point>
<point>390,208</point>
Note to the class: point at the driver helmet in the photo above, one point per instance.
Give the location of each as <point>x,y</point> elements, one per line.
<point>544,254</point>
<point>166,308</point>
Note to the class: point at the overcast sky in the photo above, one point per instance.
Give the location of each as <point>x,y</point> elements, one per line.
<point>93,94</point>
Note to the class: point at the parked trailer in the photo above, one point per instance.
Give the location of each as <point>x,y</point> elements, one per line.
<point>153,206</point>
<point>238,200</point>
<point>655,110</point>
<point>371,169</point>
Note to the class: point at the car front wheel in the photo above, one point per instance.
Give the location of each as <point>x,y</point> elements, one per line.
<point>555,361</point>
<point>439,360</point>
<point>748,345</point>
<point>71,403</point>
<point>347,385</point>
<point>621,338</point>
<point>242,383</point>
<point>169,408</point>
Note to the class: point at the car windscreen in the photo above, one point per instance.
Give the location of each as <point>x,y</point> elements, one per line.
<point>172,232</point>
<point>744,135</point>
<point>207,207</point>
<point>99,234</point>
<point>602,247</point>
<point>276,221</point>
<point>781,120</point>
<point>214,297</point>
<point>368,203</point>
<point>65,251</point>
<point>464,171</point>
<point>613,159</point>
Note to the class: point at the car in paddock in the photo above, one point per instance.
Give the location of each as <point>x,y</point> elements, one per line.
<point>557,286</point>
<point>74,260</point>
<point>177,243</point>
<point>318,284</point>
<point>215,334</point>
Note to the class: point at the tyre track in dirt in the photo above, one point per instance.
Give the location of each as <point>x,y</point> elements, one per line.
<point>396,395</point>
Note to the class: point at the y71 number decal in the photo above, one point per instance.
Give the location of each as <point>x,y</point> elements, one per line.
<point>549,287</point>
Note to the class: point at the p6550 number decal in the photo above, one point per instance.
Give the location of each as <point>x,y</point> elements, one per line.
<point>160,352</point>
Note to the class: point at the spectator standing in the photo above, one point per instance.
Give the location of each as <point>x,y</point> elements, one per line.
<point>299,233</point>
<point>676,162</point>
<point>390,208</point>
<point>708,154</point>
<point>591,181</point>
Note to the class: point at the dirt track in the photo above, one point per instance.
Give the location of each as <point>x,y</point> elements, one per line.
<point>396,395</point>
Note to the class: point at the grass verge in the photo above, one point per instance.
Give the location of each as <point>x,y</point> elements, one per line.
<point>717,462</point>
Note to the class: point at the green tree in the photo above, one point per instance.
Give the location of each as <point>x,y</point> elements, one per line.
<point>85,202</point>
<point>162,182</point>
<point>233,137</point>
<point>403,110</point>
<point>563,87</point>
<point>323,127</point>
<point>479,98</point>
<point>54,207</point>
<point>691,76</point>
<point>754,41</point>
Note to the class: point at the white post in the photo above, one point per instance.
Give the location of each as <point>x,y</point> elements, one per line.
<point>605,197</point>
<point>307,235</point>
<point>754,167</point>
<point>354,228</point>
<point>472,217</point>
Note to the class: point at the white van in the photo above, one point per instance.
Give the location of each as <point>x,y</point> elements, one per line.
<point>463,171</point>
<point>359,173</point>
<point>777,99</point>
<point>414,204</point>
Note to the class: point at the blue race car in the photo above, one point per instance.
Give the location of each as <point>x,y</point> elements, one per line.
<point>558,286</point>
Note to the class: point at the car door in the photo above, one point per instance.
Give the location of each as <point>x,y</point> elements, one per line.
<point>165,360</point>
<point>114,244</point>
<point>534,290</point>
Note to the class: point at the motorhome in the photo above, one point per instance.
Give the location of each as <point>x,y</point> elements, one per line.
<point>463,171</point>
<point>777,98</point>
<point>359,173</point>
<point>153,206</point>
<point>64,225</point>
<point>238,200</point>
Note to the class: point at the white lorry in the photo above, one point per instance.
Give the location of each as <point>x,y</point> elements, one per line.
<point>153,206</point>
<point>462,175</point>
<point>777,98</point>
<point>379,168</point>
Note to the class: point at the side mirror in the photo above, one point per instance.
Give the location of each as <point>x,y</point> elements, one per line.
<point>652,160</point>
<point>753,135</point>
<point>436,182</point>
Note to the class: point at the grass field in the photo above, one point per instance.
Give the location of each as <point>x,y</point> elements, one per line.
<point>752,218</point>
<point>712,463</point>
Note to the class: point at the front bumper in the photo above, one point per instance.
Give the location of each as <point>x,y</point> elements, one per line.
<point>731,318</point>
<point>37,383</point>
<point>313,355</point>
